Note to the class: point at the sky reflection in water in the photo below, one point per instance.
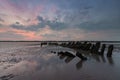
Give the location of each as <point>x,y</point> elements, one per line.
<point>36,63</point>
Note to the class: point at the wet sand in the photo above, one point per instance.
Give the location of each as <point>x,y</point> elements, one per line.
<point>33,62</point>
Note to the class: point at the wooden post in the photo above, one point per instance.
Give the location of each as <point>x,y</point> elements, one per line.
<point>81,56</point>
<point>97,46</point>
<point>92,48</point>
<point>84,45</point>
<point>110,49</point>
<point>88,46</point>
<point>102,49</point>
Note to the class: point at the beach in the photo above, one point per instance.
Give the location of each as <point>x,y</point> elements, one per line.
<point>31,61</point>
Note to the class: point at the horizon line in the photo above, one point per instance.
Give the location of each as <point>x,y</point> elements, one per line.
<point>57,40</point>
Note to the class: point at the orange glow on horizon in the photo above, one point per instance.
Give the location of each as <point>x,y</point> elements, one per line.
<point>29,35</point>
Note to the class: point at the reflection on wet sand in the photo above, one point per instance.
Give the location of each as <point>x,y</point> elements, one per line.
<point>100,58</point>
<point>54,62</point>
<point>69,57</point>
<point>103,58</point>
<point>79,65</point>
<point>110,60</point>
<point>96,57</point>
<point>95,51</point>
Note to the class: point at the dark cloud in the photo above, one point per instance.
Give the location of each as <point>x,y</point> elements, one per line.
<point>53,24</point>
<point>56,25</point>
<point>40,18</point>
<point>101,25</point>
<point>17,22</point>
<point>28,28</point>
<point>18,26</point>
<point>76,17</point>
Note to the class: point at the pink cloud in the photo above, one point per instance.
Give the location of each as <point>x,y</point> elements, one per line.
<point>29,35</point>
<point>26,35</point>
<point>46,33</point>
<point>2,30</point>
<point>67,34</point>
<point>19,12</point>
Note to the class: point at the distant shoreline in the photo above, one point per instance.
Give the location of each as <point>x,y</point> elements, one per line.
<point>64,41</point>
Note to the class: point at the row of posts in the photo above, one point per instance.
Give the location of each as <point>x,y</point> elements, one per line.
<point>96,48</point>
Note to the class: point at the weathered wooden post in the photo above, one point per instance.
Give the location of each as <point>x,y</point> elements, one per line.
<point>81,56</point>
<point>97,46</point>
<point>110,49</point>
<point>68,59</point>
<point>102,49</point>
<point>41,44</point>
<point>110,60</point>
<point>80,45</point>
<point>69,54</point>
<point>79,64</point>
<point>84,45</point>
<point>92,48</point>
<point>88,46</point>
<point>61,55</point>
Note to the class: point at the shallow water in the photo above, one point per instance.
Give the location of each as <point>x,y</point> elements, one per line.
<point>20,61</point>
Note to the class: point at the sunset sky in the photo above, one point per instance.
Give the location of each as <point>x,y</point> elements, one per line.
<point>60,20</point>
